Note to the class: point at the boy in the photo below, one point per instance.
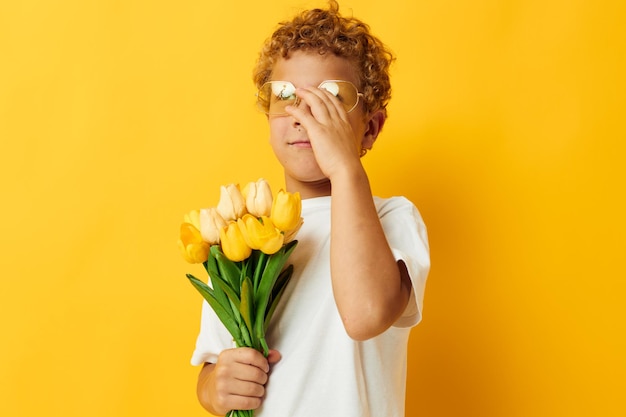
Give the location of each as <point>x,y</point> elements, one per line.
<point>341,330</point>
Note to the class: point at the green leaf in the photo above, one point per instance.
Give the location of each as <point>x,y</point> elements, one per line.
<point>219,293</point>
<point>225,315</point>
<point>245,336</point>
<point>271,272</point>
<point>266,349</point>
<point>230,293</point>
<point>224,292</point>
<point>247,302</point>
<point>261,261</point>
<point>247,310</point>
<point>277,293</point>
<point>211,263</point>
<point>282,281</point>
<point>214,275</point>
<point>228,269</point>
<point>275,264</point>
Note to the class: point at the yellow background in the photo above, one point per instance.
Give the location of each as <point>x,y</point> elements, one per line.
<point>505,129</point>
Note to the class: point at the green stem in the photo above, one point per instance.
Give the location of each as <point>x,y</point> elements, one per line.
<point>258,270</point>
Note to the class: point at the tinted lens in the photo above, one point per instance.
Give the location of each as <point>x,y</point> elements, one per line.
<point>274,96</point>
<point>345,91</point>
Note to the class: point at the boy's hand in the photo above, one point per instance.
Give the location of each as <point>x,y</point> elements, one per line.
<point>334,141</point>
<point>236,381</point>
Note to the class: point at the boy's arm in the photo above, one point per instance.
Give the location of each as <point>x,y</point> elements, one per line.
<point>371,289</point>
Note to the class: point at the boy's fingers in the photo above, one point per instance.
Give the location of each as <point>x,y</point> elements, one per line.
<point>332,104</point>
<point>249,356</point>
<point>319,102</point>
<point>273,356</point>
<point>300,114</point>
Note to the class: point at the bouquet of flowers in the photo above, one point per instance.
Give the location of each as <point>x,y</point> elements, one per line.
<point>243,244</point>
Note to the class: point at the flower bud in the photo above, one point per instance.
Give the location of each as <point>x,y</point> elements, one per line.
<point>233,243</point>
<point>193,217</point>
<point>258,197</point>
<point>210,224</point>
<point>286,211</point>
<point>231,205</point>
<point>261,234</point>
<point>193,248</point>
<point>291,234</point>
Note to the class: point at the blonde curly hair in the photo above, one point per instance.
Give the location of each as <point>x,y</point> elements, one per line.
<point>326,31</point>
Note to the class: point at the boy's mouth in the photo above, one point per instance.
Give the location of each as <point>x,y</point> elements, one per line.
<point>300,143</point>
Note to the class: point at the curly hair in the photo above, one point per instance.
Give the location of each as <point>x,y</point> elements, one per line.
<point>326,31</point>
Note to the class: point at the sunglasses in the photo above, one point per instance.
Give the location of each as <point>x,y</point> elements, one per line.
<point>274,96</point>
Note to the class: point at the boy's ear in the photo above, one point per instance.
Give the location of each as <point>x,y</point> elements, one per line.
<point>375,124</point>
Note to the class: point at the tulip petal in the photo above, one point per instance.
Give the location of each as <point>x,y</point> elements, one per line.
<point>291,234</point>
<point>273,244</point>
<point>286,210</point>
<point>193,248</point>
<point>210,223</point>
<point>193,217</point>
<point>231,205</point>
<point>258,198</point>
<point>198,252</point>
<point>233,243</point>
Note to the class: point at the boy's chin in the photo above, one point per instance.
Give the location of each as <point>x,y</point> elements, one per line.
<point>308,186</point>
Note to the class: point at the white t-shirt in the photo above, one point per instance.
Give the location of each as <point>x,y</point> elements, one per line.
<point>323,372</point>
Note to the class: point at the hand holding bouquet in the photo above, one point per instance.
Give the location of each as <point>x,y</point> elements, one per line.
<point>243,244</point>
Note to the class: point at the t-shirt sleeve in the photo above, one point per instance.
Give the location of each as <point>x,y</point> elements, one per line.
<point>406,234</point>
<point>212,339</point>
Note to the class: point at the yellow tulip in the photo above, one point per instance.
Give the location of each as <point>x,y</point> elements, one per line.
<point>258,198</point>
<point>193,217</point>
<point>210,224</point>
<point>231,205</point>
<point>286,211</point>
<point>261,234</point>
<point>291,234</point>
<point>233,243</point>
<point>193,248</point>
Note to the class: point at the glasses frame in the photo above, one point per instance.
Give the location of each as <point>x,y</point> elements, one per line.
<point>297,100</point>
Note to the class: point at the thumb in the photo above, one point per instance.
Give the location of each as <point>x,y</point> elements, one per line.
<point>273,356</point>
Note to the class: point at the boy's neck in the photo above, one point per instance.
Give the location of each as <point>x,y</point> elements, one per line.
<point>308,189</point>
